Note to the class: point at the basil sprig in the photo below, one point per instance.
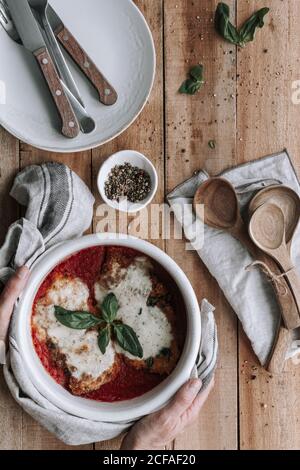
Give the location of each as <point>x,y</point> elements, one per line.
<point>124,334</point>
<point>194,82</point>
<point>229,32</point>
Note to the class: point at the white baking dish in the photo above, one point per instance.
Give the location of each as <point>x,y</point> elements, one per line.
<point>90,409</point>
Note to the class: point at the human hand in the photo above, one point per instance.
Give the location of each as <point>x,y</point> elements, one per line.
<point>159,429</point>
<point>10,294</point>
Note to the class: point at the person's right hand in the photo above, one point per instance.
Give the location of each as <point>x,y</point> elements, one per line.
<point>159,429</point>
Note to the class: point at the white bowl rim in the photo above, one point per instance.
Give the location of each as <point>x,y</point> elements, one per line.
<point>103,173</point>
<point>90,409</point>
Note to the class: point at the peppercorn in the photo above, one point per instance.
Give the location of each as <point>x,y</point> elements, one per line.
<point>127,182</point>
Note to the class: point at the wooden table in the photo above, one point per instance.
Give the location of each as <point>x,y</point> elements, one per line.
<point>246,107</point>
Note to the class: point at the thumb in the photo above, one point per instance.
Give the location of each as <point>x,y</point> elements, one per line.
<point>9,296</point>
<point>184,398</point>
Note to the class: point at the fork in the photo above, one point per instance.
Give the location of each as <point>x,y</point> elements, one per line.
<point>87,124</point>
<point>6,21</point>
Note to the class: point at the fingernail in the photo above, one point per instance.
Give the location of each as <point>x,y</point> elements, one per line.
<point>195,385</point>
<point>23,272</point>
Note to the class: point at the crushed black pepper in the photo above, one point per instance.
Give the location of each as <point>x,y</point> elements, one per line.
<point>127,181</point>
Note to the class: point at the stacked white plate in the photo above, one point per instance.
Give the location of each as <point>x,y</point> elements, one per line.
<point>116,36</point>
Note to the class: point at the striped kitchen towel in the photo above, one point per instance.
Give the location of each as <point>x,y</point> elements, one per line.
<point>59,207</point>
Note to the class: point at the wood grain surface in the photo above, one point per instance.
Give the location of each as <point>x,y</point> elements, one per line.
<point>246,107</point>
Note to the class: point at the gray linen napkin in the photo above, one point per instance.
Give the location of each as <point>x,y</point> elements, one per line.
<point>60,207</point>
<point>249,293</point>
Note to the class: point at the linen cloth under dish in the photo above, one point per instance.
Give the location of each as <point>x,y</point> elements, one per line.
<point>60,207</point>
<point>249,293</point>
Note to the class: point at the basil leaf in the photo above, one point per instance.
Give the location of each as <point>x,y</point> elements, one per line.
<point>165,352</point>
<point>194,82</point>
<point>247,31</point>
<point>197,72</point>
<point>149,362</point>
<point>153,300</point>
<point>127,339</point>
<point>223,25</point>
<point>190,86</point>
<point>109,308</point>
<point>229,32</point>
<point>76,320</point>
<point>104,339</point>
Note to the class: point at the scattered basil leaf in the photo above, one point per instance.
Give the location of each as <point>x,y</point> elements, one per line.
<point>196,72</point>
<point>190,86</point>
<point>128,340</point>
<point>229,32</point>
<point>149,362</point>
<point>76,320</point>
<point>212,144</point>
<point>194,82</point>
<point>165,352</point>
<point>109,308</point>
<point>104,339</point>
<point>247,31</point>
<point>223,25</point>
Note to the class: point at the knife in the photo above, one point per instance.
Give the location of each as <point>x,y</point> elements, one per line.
<point>107,93</point>
<point>33,40</point>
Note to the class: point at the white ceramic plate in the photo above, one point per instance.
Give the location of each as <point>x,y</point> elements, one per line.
<point>116,36</point>
<point>90,409</point>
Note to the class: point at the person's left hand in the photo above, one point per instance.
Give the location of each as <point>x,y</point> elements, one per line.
<point>10,294</point>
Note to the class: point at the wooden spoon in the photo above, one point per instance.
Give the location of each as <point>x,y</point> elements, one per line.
<point>288,201</point>
<point>222,212</point>
<point>267,230</point>
<point>221,209</point>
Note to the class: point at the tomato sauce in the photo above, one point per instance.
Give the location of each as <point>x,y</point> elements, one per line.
<point>130,382</point>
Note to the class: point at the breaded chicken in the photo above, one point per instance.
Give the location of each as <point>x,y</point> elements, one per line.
<point>75,351</point>
<point>145,305</point>
<point>88,384</point>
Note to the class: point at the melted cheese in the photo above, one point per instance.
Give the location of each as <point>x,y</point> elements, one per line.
<point>132,291</point>
<point>83,356</point>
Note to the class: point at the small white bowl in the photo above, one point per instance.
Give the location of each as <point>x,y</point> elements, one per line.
<point>135,159</point>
